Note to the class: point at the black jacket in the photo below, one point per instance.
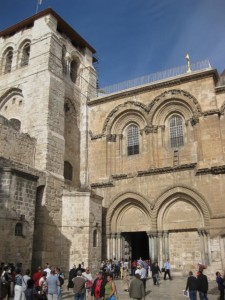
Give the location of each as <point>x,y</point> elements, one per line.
<point>155,270</point>
<point>202,283</point>
<point>191,283</point>
<point>102,289</point>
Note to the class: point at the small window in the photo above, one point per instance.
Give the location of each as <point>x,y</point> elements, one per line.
<point>19,229</point>
<point>64,67</point>
<point>68,171</point>
<point>95,237</point>
<point>8,60</point>
<point>25,55</point>
<point>73,70</point>
<point>176,132</point>
<point>132,140</point>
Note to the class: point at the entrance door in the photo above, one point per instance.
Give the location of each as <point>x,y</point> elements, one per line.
<point>136,245</point>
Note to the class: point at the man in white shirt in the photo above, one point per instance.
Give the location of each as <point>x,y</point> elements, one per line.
<point>167,269</point>
<point>142,272</point>
<point>47,269</point>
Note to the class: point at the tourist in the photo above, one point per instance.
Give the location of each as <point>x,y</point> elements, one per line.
<point>202,286</point>
<point>98,288</point>
<point>110,288</point>
<point>136,290</point>
<point>88,281</point>
<point>155,273</point>
<point>72,274</point>
<point>126,279</point>
<point>142,272</point>
<point>52,283</point>
<point>42,285</point>
<point>79,286</point>
<point>30,292</point>
<point>26,277</point>
<point>4,284</point>
<point>48,269</point>
<point>191,286</point>
<point>18,285</point>
<point>60,276</point>
<point>37,276</point>
<point>167,269</point>
<point>220,283</point>
<point>133,267</point>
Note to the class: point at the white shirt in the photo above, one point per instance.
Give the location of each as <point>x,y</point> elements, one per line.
<point>48,271</point>
<point>141,272</point>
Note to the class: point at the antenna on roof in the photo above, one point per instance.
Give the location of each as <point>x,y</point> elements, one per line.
<point>39,2</point>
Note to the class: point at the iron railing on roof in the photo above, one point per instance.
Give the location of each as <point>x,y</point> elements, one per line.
<point>170,73</point>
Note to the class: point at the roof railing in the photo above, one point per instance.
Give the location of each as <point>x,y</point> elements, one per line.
<point>170,73</point>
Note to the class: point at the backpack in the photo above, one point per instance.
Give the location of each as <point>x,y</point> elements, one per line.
<point>61,280</point>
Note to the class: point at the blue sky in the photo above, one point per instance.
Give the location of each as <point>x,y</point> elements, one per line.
<point>137,37</point>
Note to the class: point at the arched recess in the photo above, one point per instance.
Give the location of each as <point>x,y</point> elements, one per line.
<point>11,104</point>
<point>24,53</point>
<point>116,118</point>
<point>173,101</point>
<point>128,212</point>
<point>75,66</point>
<point>172,201</point>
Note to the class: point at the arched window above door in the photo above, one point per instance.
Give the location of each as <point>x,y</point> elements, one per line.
<point>176,131</point>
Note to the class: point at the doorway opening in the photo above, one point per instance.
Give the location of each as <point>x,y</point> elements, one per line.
<point>136,245</point>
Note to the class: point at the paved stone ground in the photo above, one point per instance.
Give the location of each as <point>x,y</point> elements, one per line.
<point>167,290</point>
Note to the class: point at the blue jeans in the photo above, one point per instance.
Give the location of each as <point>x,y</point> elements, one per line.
<point>203,296</point>
<point>193,295</point>
<point>79,296</point>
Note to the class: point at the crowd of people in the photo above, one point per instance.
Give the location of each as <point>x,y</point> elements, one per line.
<point>47,283</point>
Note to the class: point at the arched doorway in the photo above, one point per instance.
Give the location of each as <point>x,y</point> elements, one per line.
<point>128,224</point>
<point>183,235</point>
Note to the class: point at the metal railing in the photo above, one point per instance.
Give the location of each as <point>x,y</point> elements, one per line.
<point>170,73</point>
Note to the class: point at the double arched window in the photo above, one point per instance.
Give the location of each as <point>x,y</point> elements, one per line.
<point>132,140</point>
<point>176,132</point>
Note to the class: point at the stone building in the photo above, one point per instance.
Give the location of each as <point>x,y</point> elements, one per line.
<point>126,172</point>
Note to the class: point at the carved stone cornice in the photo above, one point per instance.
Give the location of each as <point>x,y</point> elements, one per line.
<point>211,112</point>
<point>111,137</point>
<point>149,129</point>
<point>166,169</point>
<point>119,176</point>
<point>95,136</point>
<point>213,170</point>
<point>99,185</point>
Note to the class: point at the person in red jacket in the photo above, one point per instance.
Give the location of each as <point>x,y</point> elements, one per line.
<point>37,276</point>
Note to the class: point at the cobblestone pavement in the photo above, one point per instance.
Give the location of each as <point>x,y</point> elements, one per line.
<point>167,290</point>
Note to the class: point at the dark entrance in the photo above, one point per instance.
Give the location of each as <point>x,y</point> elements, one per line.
<point>138,244</point>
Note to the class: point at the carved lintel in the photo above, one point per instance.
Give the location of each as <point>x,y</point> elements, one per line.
<point>150,129</point>
<point>211,112</point>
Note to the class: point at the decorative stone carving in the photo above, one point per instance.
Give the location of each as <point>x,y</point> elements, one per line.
<point>95,136</point>
<point>111,138</point>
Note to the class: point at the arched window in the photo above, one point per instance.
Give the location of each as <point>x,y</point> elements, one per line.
<point>95,237</point>
<point>73,70</point>
<point>25,55</point>
<point>8,60</point>
<point>68,170</point>
<point>176,132</point>
<point>132,140</point>
<point>19,229</point>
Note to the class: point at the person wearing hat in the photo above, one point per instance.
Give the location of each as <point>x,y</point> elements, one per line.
<point>98,287</point>
<point>79,286</point>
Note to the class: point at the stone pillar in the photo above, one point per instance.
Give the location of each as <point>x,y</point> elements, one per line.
<point>209,249</point>
<point>150,245</point>
<point>108,246</point>
<point>113,246</point>
<point>200,233</point>
<point>118,256</point>
<point>166,245</point>
<point>160,250</point>
<point>206,249</point>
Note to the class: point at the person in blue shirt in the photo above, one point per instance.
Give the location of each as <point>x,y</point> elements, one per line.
<point>167,269</point>
<point>220,283</point>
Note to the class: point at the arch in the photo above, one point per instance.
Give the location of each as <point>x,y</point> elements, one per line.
<point>24,53</point>
<point>121,202</point>
<point>19,229</point>
<point>8,60</point>
<point>12,92</point>
<point>133,139</point>
<point>176,131</point>
<point>137,109</point>
<point>189,195</point>
<point>170,101</point>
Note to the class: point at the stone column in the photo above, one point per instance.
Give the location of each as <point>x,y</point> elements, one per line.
<point>209,249</point>
<point>200,233</point>
<point>150,244</point>
<point>160,250</point>
<point>118,256</point>
<point>113,246</point>
<point>206,249</point>
<point>108,245</point>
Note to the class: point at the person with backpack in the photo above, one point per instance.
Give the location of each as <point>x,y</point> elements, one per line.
<point>60,276</point>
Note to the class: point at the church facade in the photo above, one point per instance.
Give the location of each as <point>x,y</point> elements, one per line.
<point>88,175</point>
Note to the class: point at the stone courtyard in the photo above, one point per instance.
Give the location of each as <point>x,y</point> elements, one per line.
<point>168,290</point>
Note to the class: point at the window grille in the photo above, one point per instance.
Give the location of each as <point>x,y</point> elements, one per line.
<point>132,140</point>
<point>8,60</point>
<point>25,55</point>
<point>19,229</point>
<point>176,132</point>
